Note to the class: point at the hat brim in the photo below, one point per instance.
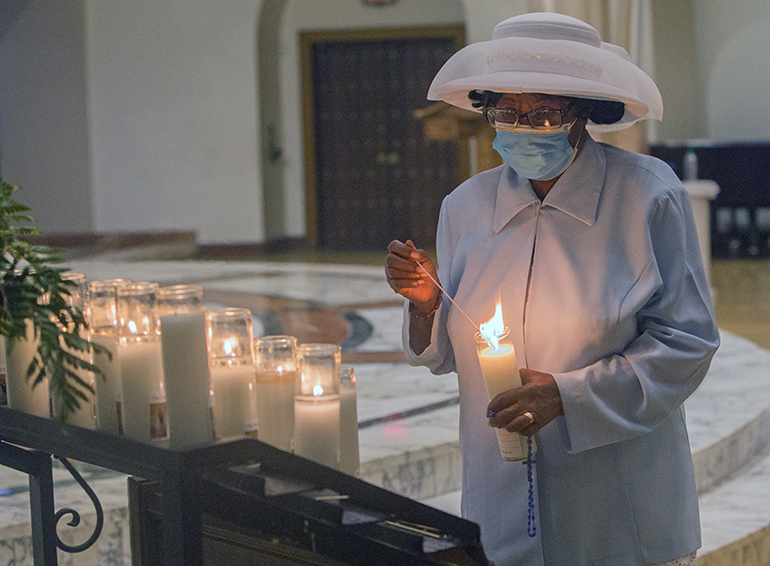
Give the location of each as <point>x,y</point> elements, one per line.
<point>543,68</point>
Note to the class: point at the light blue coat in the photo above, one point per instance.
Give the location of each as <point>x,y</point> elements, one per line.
<point>619,311</point>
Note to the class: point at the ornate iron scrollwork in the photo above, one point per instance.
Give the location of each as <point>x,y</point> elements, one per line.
<point>75,521</point>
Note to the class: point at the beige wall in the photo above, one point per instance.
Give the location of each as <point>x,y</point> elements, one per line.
<point>174,129</point>
<point>675,70</point>
<point>43,111</point>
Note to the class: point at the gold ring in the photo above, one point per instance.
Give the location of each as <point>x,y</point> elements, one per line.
<point>530,416</point>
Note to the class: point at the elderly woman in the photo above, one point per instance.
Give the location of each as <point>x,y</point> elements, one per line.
<point>594,256</point>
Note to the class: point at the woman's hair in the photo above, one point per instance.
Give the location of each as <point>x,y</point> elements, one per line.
<point>598,111</point>
<point>605,111</point>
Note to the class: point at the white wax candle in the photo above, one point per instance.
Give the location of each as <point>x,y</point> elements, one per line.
<point>84,416</point>
<point>501,373</point>
<point>141,372</point>
<point>186,378</point>
<point>349,454</point>
<point>21,395</point>
<point>317,429</point>
<point>230,384</point>
<point>107,387</point>
<point>275,408</point>
<point>251,426</point>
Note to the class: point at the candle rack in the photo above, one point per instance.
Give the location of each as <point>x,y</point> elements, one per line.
<point>243,491</point>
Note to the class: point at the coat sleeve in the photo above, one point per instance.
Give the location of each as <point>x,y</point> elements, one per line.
<point>630,393</point>
<point>438,356</point>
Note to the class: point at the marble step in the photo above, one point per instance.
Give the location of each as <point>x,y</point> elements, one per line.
<point>735,518</point>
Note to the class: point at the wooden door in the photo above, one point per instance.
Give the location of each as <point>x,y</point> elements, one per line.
<point>372,176</point>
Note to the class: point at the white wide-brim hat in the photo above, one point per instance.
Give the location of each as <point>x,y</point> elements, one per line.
<point>551,54</point>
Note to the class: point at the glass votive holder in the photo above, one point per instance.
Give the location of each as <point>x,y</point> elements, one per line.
<point>319,367</point>
<point>276,360</point>
<point>101,313</point>
<point>77,293</point>
<point>138,317</point>
<point>349,451</point>
<point>22,395</point>
<point>143,400</point>
<point>231,363</point>
<point>85,415</point>
<point>317,404</point>
<point>185,364</point>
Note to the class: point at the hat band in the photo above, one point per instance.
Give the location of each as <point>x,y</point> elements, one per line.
<point>518,60</point>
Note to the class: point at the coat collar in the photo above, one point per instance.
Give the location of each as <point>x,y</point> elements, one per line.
<point>576,193</point>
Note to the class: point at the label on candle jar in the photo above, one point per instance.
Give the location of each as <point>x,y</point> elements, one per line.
<point>158,415</point>
<point>510,445</point>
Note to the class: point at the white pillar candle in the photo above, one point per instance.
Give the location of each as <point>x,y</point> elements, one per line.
<point>232,409</point>
<point>186,377</point>
<point>275,407</point>
<point>349,451</point>
<point>141,371</point>
<point>251,427</point>
<point>85,415</point>
<point>107,387</point>
<point>317,429</point>
<point>21,395</point>
<point>501,373</point>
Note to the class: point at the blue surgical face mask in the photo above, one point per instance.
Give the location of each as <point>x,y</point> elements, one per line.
<point>534,155</point>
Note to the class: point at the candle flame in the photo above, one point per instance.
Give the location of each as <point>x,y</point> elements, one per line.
<point>318,391</point>
<point>494,327</point>
<point>229,346</point>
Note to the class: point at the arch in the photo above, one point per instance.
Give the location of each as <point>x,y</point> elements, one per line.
<point>280,105</point>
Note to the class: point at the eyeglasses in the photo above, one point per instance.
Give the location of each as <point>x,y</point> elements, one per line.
<point>538,119</point>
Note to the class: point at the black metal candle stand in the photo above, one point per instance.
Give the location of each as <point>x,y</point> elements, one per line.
<point>243,486</point>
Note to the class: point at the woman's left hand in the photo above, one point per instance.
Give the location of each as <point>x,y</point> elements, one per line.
<point>539,396</point>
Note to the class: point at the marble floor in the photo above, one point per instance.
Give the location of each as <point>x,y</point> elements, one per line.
<point>408,417</point>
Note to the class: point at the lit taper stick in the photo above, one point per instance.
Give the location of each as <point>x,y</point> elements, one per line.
<point>448,296</point>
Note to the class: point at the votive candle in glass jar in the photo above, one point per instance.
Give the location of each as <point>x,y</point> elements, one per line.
<point>349,451</point>
<point>231,362</point>
<point>185,364</point>
<point>22,395</point>
<point>140,355</point>
<point>102,317</point>
<point>85,415</point>
<point>276,359</point>
<point>501,373</point>
<point>317,404</point>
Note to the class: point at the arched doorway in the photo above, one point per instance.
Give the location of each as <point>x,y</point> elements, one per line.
<point>371,175</point>
<point>289,162</point>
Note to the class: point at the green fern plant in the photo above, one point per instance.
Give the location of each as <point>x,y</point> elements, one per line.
<point>33,289</point>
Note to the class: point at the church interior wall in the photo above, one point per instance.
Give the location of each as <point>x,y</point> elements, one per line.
<point>144,116</point>
<point>43,111</point>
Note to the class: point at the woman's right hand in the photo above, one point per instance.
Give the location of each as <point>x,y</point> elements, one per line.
<point>407,279</point>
